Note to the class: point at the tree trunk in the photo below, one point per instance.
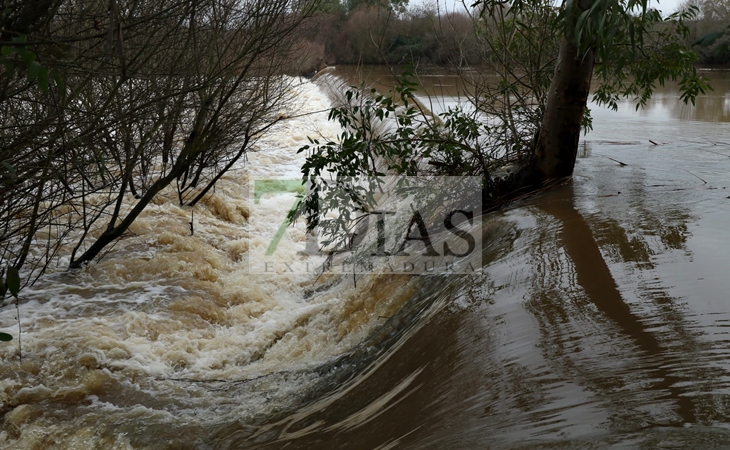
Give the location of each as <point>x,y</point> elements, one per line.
<point>557,142</point>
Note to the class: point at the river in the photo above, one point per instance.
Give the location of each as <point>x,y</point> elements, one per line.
<point>600,317</point>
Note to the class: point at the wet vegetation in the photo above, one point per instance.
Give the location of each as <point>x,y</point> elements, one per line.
<point>575,329</point>
<point>528,93</point>
<point>707,30</point>
<point>103,105</point>
<point>370,33</point>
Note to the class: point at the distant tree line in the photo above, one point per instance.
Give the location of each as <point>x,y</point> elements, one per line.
<point>391,32</point>
<point>713,16</point>
<point>539,63</point>
<point>386,32</point>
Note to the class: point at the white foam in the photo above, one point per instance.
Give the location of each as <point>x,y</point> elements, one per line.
<point>166,310</point>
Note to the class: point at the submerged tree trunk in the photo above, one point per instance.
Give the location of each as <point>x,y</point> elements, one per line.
<point>556,145</point>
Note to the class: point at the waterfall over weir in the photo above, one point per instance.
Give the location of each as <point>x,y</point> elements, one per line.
<point>169,336</point>
<point>599,318</point>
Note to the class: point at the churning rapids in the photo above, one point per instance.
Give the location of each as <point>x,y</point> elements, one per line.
<point>600,318</point>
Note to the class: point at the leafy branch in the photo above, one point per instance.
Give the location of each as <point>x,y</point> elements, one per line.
<point>384,135</point>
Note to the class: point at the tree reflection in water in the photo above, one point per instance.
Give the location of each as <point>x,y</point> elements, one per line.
<point>627,352</point>
<point>586,329</point>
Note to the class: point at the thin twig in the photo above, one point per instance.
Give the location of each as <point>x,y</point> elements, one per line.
<point>327,265</point>
<point>20,331</point>
<point>615,160</point>
<point>695,176</point>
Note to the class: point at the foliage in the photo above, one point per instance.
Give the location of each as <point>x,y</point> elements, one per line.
<point>519,50</point>
<point>104,104</point>
<point>634,47</point>
<point>377,35</point>
<point>17,59</point>
<point>710,30</point>
<point>394,134</point>
<point>631,47</point>
<point>637,52</point>
<point>386,134</point>
<point>330,7</point>
<point>389,134</point>
<point>393,5</point>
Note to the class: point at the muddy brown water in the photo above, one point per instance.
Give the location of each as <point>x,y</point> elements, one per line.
<point>601,319</point>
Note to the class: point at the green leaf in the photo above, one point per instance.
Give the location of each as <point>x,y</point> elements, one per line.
<point>27,55</point>
<point>708,39</point>
<point>13,281</point>
<point>5,337</point>
<point>43,80</point>
<point>34,70</point>
<point>579,25</point>
<point>11,175</point>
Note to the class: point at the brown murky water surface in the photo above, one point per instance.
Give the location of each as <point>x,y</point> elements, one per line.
<point>601,319</point>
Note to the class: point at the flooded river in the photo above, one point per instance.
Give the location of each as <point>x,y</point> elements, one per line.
<point>600,318</point>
